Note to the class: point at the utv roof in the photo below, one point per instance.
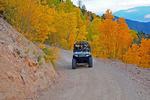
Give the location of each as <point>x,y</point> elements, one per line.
<point>81,42</point>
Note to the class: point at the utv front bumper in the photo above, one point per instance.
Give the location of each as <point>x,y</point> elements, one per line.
<point>82,59</point>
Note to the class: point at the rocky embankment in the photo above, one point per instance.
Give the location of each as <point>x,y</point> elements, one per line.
<point>23,70</point>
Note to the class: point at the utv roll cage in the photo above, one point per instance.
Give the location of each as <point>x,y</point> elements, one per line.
<point>81,46</point>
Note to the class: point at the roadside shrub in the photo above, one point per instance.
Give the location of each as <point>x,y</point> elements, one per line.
<point>40,61</point>
<point>51,54</point>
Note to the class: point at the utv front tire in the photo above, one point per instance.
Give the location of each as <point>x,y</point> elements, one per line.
<point>90,62</point>
<point>74,64</point>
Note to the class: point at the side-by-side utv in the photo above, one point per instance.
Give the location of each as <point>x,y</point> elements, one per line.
<point>82,54</point>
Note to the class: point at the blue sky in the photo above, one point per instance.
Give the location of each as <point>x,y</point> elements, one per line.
<point>100,6</point>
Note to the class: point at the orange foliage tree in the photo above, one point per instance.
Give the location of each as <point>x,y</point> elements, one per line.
<point>139,54</point>
<point>30,18</point>
<point>114,38</point>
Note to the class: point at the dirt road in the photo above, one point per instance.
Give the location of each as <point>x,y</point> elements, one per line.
<point>102,82</point>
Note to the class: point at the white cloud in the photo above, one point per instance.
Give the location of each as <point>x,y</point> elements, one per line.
<point>97,6</point>
<point>147,16</point>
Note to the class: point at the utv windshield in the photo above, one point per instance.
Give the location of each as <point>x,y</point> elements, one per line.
<point>81,46</point>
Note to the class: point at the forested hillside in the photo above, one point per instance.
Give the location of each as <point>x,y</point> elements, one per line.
<point>59,23</point>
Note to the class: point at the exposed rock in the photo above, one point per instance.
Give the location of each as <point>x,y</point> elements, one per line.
<point>21,76</point>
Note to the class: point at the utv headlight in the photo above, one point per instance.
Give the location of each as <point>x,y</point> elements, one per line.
<point>87,55</point>
<point>76,55</point>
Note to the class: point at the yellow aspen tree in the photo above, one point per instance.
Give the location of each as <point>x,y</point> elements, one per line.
<point>139,55</point>
<point>124,37</point>
<point>115,37</point>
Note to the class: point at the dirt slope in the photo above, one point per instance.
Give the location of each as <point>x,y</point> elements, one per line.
<point>107,80</point>
<point>21,76</point>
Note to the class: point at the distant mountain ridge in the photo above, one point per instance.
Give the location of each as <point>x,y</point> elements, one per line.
<point>138,26</point>
<point>140,14</point>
